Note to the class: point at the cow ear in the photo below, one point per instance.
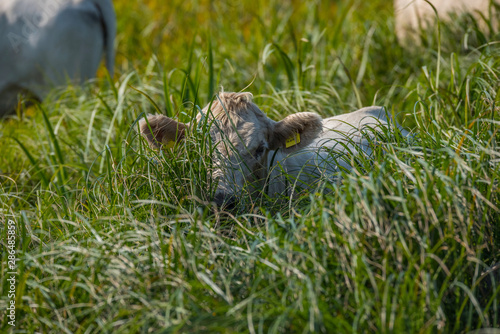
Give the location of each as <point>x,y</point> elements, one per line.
<point>295,131</point>
<point>160,130</point>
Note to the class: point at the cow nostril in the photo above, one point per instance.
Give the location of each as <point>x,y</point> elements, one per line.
<point>225,201</point>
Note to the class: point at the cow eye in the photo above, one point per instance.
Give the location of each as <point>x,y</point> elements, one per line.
<point>260,150</point>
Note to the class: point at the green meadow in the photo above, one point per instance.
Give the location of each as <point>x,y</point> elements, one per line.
<point>114,237</point>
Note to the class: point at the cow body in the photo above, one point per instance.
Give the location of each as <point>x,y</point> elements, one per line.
<point>46,43</point>
<point>255,152</point>
<point>411,14</point>
<point>342,138</point>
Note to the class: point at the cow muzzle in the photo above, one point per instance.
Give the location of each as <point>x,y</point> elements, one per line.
<point>225,201</point>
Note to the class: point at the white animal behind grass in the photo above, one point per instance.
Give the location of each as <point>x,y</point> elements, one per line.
<point>412,14</point>
<point>48,43</point>
<point>254,151</point>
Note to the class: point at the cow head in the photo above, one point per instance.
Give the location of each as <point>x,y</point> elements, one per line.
<point>243,136</point>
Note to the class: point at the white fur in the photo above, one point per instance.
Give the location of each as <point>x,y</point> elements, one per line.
<point>45,43</point>
<point>251,149</point>
<point>343,136</point>
<point>412,13</point>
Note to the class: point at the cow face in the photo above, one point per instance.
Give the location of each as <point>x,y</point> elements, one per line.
<point>243,137</point>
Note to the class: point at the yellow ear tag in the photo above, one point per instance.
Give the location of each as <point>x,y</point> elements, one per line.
<point>292,141</point>
<point>169,144</point>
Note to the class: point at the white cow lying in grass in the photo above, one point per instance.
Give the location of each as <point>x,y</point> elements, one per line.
<point>45,43</point>
<point>255,149</point>
<point>411,14</point>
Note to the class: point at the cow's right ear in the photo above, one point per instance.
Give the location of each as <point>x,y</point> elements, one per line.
<point>295,131</point>
<point>160,130</point>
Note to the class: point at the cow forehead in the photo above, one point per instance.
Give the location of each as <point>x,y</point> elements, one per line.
<point>245,125</point>
<point>243,133</point>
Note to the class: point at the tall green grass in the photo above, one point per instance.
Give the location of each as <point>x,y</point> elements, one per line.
<point>114,237</point>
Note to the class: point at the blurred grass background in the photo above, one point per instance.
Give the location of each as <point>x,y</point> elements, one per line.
<point>114,237</point>
<point>285,45</point>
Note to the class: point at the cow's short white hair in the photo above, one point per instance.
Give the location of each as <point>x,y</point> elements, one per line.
<point>46,43</point>
<point>412,14</point>
<point>252,149</point>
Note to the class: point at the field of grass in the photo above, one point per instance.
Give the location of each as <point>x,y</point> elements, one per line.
<point>113,237</point>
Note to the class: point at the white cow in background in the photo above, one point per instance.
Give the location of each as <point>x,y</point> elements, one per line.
<point>251,148</point>
<point>411,14</point>
<point>46,43</point>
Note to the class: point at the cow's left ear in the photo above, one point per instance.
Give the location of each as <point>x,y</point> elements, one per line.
<point>160,130</point>
<point>295,131</point>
